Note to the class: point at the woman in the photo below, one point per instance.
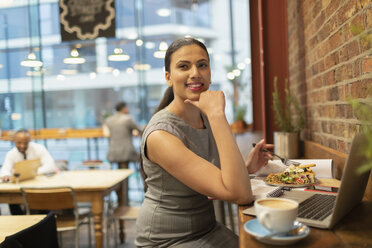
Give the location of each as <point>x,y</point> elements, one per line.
<point>189,154</point>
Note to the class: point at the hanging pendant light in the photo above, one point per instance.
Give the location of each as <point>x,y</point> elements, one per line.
<point>74,58</point>
<point>160,54</point>
<point>31,61</point>
<point>118,55</point>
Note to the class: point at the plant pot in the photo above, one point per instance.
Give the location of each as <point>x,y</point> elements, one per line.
<point>286,144</point>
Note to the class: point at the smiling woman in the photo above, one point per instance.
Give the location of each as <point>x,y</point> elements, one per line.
<point>187,141</point>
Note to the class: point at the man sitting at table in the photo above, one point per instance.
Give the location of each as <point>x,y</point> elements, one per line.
<point>24,149</point>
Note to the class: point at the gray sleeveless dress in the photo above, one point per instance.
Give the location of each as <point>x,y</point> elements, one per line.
<point>172,214</point>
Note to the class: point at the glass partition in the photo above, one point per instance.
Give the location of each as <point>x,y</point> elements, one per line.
<point>60,95</point>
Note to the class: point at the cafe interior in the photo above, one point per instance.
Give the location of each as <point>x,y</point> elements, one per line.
<point>295,73</point>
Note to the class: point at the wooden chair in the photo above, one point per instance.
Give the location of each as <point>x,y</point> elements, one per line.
<point>62,201</point>
<point>114,215</point>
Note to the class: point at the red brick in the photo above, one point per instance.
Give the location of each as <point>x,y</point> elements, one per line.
<point>359,89</point>
<point>347,11</point>
<point>331,60</point>
<point>343,111</point>
<point>335,41</point>
<point>341,146</point>
<point>344,72</point>
<point>332,7</point>
<point>319,21</point>
<point>369,18</point>
<point>316,8</point>
<point>349,51</point>
<point>367,65</point>
<point>333,94</point>
<point>357,68</point>
<point>329,78</point>
<point>343,92</point>
<point>363,4</point>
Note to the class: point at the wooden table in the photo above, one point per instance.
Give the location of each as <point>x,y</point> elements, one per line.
<point>11,224</point>
<point>354,230</point>
<point>89,185</point>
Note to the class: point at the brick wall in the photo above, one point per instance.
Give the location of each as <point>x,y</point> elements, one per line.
<point>330,59</point>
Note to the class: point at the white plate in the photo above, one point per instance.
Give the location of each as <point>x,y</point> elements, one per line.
<point>254,228</point>
<point>291,185</point>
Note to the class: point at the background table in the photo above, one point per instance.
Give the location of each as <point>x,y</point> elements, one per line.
<point>89,185</point>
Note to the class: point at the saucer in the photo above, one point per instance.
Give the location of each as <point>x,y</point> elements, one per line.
<point>254,228</point>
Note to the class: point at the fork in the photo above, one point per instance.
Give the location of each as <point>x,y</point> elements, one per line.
<point>285,161</point>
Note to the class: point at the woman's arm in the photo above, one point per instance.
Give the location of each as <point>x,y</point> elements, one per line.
<point>231,182</point>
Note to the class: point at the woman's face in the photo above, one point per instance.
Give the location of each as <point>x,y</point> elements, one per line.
<point>190,73</point>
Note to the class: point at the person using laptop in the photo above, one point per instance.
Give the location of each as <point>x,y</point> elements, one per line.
<point>25,150</point>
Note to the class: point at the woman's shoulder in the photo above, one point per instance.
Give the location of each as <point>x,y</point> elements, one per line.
<point>166,117</point>
<point>165,120</point>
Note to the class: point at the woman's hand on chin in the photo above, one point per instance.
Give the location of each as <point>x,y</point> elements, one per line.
<point>210,102</point>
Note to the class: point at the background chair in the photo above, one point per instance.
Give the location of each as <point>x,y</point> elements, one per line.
<point>114,215</point>
<point>41,235</point>
<point>62,201</point>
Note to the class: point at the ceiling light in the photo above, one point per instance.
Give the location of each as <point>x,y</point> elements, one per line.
<point>142,67</point>
<point>1,66</point>
<point>92,75</point>
<point>69,71</point>
<point>31,61</point>
<point>149,45</point>
<point>118,55</point>
<point>241,66</point>
<point>139,42</point>
<point>104,69</point>
<point>74,58</point>
<point>61,77</point>
<point>129,70</point>
<point>163,12</point>
<point>160,54</point>
<point>116,72</point>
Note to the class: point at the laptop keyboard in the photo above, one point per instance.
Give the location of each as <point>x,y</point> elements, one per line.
<point>317,207</point>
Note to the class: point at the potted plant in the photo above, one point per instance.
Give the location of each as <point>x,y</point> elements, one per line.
<point>363,113</point>
<point>239,125</point>
<point>289,118</point>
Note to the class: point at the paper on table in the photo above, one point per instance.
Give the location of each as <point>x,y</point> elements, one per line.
<point>260,189</point>
<point>323,168</point>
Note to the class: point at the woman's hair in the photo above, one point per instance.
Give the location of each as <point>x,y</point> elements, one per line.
<point>168,95</point>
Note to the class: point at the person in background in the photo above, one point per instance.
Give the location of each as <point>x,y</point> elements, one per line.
<point>189,155</point>
<point>120,129</point>
<point>25,150</point>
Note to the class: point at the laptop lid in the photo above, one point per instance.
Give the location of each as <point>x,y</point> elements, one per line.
<point>26,169</point>
<point>352,186</point>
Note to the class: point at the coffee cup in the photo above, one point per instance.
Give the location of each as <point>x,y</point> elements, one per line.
<point>276,214</point>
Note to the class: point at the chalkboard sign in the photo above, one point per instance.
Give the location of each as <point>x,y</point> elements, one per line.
<point>86,19</point>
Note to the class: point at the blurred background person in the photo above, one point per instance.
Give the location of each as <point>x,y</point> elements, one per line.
<point>120,128</point>
<point>25,150</point>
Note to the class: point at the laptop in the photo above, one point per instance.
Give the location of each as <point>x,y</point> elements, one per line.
<point>330,208</point>
<point>27,169</point>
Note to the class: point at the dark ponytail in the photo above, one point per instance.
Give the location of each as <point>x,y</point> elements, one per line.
<point>165,101</point>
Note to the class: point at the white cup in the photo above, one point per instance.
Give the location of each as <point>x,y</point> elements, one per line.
<point>276,214</point>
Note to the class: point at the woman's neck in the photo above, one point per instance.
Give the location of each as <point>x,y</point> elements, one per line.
<point>187,112</point>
